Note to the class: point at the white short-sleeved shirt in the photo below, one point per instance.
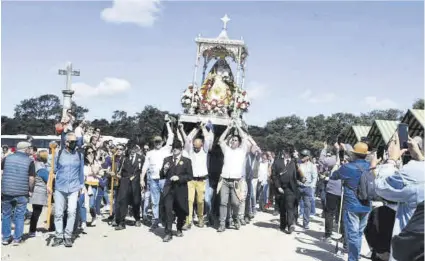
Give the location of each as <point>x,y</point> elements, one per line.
<point>234,162</point>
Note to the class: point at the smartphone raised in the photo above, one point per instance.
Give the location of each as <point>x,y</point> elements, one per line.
<point>403,135</point>
<point>380,152</point>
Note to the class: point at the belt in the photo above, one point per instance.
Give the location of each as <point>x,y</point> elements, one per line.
<point>230,180</point>
<point>200,178</point>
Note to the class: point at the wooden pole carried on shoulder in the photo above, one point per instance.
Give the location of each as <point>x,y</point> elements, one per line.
<point>53,146</point>
<point>111,193</point>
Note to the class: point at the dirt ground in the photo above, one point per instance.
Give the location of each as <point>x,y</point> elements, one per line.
<point>260,240</point>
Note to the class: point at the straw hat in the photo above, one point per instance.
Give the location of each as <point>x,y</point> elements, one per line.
<point>360,148</point>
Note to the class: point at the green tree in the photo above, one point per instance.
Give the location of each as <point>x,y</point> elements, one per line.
<point>419,104</point>
<point>37,116</point>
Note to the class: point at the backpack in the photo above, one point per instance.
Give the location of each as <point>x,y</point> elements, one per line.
<point>366,188</point>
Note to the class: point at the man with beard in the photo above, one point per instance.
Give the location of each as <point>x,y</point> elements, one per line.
<point>152,166</point>
<point>285,175</point>
<point>129,190</point>
<point>177,171</point>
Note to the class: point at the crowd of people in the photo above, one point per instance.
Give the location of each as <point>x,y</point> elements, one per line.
<point>217,181</point>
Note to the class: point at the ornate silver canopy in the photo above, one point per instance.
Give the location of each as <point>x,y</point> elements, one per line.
<point>221,47</point>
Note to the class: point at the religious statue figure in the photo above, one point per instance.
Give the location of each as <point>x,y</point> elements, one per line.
<point>218,86</point>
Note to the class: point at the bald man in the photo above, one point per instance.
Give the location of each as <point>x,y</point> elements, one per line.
<point>197,151</point>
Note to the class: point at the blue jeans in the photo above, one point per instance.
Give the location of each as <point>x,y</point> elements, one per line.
<point>306,194</point>
<point>71,200</point>
<point>95,200</point>
<point>18,205</point>
<point>354,225</point>
<point>264,197</point>
<point>313,202</point>
<point>155,187</point>
<point>251,202</point>
<point>82,208</point>
<point>146,201</point>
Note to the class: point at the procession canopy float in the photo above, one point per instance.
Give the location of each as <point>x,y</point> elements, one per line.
<point>220,96</point>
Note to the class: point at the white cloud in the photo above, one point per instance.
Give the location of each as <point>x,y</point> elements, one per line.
<point>376,104</point>
<point>140,12</point>
<point>311,97</point>
<point>108,87</point>
<point>256,91</point>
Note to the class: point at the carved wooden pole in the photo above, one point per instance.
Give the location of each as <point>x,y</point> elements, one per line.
<point>53,146</point>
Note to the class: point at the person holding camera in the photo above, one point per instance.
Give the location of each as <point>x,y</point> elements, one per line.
<point>405,186</point>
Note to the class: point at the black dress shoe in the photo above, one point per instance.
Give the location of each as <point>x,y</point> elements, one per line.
<point>291,229</point>
<point>57,242</point>
<point>167,238</point>
<point>154,226</point>
<point>119,227</point>
<point>179,233</point>
<point>138,223</point>
<point>67,242</point>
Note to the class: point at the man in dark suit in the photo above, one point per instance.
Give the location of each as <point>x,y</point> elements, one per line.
<point>177,171</point>
<point>285,175</point>
<point>129,190</point>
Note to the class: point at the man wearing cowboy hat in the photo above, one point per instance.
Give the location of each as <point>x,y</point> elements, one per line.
<point>355,213</point>
<point>152,166</point>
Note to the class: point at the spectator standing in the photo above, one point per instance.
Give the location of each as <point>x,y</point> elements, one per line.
<point>17,184</point>
<point>355,212</point>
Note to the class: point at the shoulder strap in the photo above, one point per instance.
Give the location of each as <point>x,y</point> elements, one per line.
<point>359,167</point>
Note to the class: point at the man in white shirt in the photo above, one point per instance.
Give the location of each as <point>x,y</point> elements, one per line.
<point>152,166</point>
<point>233,168</point>
<point>197,150</point>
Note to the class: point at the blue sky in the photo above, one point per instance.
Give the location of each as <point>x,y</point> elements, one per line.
<point>305,57</point>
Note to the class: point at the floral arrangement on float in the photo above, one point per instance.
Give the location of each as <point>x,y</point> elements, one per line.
<point>186,99</point>
<point>242,100</point>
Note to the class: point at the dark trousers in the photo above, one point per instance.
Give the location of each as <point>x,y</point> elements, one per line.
<point>129,192</point>
<point>333,203</point>
<point>171,207</point>
<point>379,230</point>
<point>287,209</point>
<point>36,212</point>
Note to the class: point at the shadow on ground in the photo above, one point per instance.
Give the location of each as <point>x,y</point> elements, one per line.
<point>266,225</point>
<point>318,254</point>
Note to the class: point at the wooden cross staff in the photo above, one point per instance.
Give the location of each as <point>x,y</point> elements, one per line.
<point>111,194</point>
<point>53,146</point>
